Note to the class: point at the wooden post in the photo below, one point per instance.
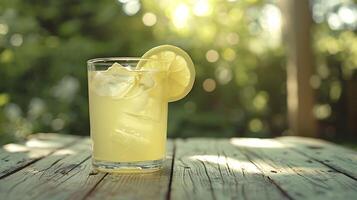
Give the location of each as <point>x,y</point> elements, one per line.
<point>352,108</point>
<point>297,23</point>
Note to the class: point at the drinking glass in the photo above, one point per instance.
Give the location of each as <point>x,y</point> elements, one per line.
<point>128,114</point>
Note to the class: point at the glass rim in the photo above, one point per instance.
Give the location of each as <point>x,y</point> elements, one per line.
<point>113,59</point>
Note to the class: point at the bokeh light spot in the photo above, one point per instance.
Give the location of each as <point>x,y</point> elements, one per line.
<point>149,19</point>
<point>58,124</point>
<point>229,54</point>
<point>3,29</point>
<point>271,18</point>
<point>36,108</point>
<point>334,22</point>
<point>124,1</point>
<point>131,7</point>
<point>212,56</point>
<point>315,81</point>
<point>260,100</point>
<point>335,91</point>
<point>190,106</point>
<point>12,111</point>
<point>322,111</point>
<point>223,75</point>
<point>209,85</point>
<point>255,125</point>
<point>232,38</point>
<point>4,99</point>
<point>7,56</point>
<point>16,40</point>
<point>347,15</point>
<point>207,33</point>
<point>323,71</point>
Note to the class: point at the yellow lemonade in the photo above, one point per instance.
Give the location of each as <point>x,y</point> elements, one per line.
<point>128,114</point>
<point>128,99</point>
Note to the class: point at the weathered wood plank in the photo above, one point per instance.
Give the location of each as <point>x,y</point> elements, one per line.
<point>341,159</point>
<point>297,175</point>
<point>65,174</point>
<point>215,169</point>
<point>136,186</point>
<point>16,156</point>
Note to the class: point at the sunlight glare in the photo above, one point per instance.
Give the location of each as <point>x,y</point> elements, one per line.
<point>64,152</point>
<point>272,18</point>
<point>15,148</point>
<point>334,22</point>
<point>227,161</point>
<point>180,16</point>
<point>347,15</point>
<point>131,7</point>
<point>35,143</point>
<point>271,21</point>
<point>202,8</point>
<point>256,143</point>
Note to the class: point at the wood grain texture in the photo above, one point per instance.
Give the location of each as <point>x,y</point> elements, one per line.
<point>196,168</point>
<point>65,174</point>
<point>148,186</point>
<point>341,159</point>
<point>215,169</point>
<point>297,175</point>
<point>16,156</point>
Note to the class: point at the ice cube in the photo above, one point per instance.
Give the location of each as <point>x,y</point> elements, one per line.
<point>146,80</point>
<point>131,129</point>
<point>134,135</point>
<point>115,82</point>
<point>129,136</point>
<point>146,109</point>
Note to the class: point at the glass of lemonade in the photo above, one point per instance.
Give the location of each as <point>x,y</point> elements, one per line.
<point>128,100</point>
<point>128,114</point>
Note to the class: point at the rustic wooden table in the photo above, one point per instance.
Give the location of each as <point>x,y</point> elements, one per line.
<point>50,166</point>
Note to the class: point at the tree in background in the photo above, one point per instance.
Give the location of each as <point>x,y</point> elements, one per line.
<point>240,87</point>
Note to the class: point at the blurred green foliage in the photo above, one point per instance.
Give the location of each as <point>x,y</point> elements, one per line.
<point>240,86</point>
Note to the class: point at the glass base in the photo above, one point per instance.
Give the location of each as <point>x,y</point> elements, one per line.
<point>128,167</point>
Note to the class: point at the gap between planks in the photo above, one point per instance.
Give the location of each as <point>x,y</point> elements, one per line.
<point>24,161</point>
<point>154,185</point>
<point>168,196</point>
<point>214,169</point>
<point>168,193</point>
<point>296,174</point>
<point>65,174</point>
<point>325,153</point>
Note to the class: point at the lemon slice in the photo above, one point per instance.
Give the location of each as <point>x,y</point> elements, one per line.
<point>178,64</point>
